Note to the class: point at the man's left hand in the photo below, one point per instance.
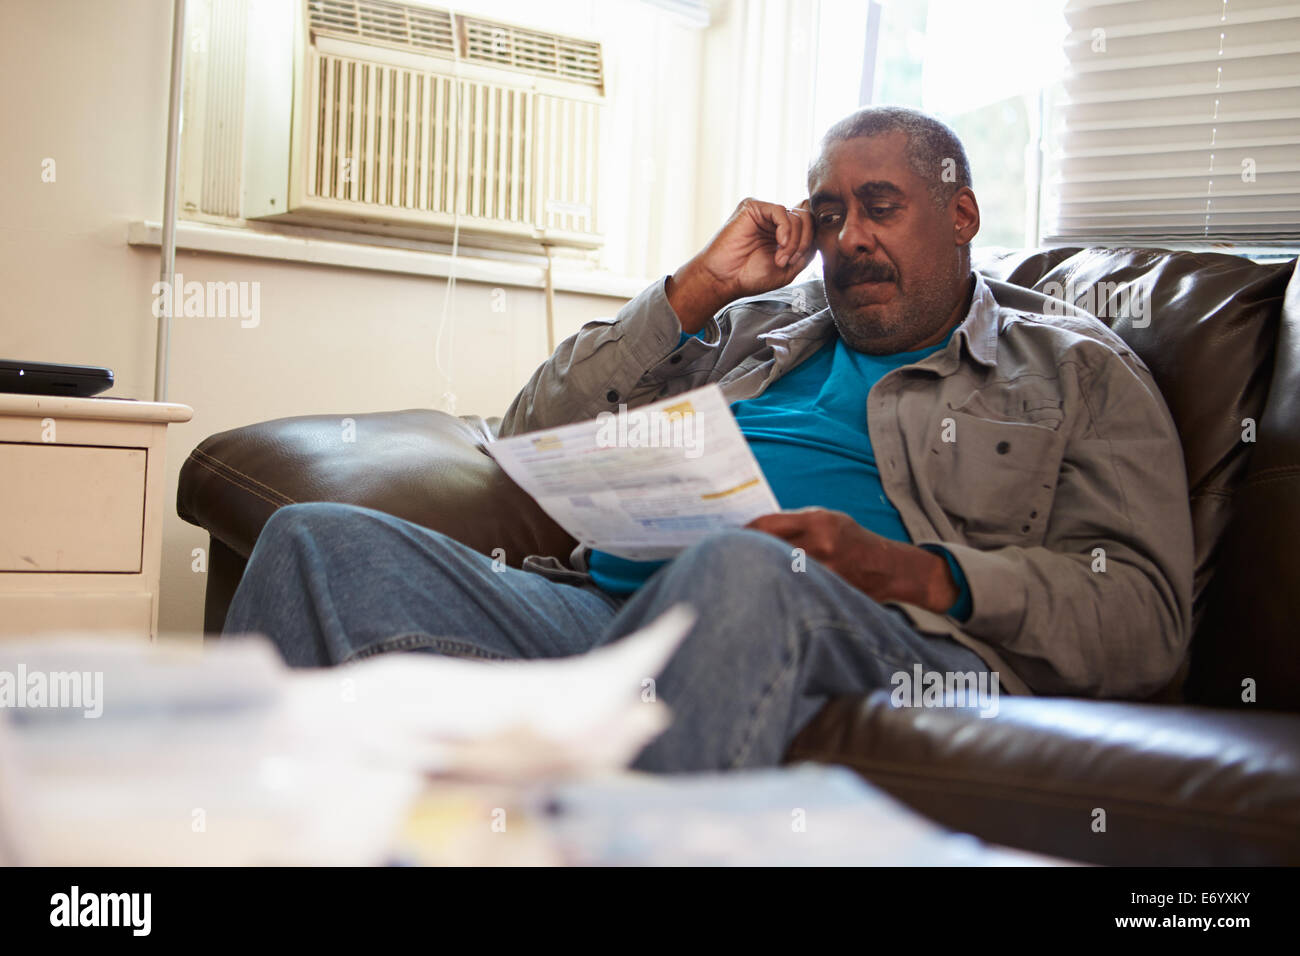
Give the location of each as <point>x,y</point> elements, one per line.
<point>885,569</point>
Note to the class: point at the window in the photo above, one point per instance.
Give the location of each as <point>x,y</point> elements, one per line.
<point>1180,121</point>
<point>1171,122</point>
<point>987,71</point>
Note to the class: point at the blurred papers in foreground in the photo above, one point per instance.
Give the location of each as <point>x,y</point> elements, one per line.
<point>122,753</point>
<point>799,815</point>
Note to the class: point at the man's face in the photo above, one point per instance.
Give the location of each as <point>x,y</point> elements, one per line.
<point>891,265</point>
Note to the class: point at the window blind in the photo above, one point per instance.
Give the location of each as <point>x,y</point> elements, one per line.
<point>1180,120</point>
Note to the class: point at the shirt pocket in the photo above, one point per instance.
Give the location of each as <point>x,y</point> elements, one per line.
<point>995,479</point>
<point>1016,403</point>
<point>1045,412</point>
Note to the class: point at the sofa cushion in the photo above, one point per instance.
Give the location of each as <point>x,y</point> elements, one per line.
<point>1249,651</point>
<point>1209,330</point>
<point>1178,785</point>
<point>419,464</point>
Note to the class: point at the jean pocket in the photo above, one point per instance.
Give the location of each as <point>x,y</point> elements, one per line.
<point>420,641</point>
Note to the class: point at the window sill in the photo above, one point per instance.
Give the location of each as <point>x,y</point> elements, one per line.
<point>316,247</point>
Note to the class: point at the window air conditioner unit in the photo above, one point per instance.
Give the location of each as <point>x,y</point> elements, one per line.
<point>411,120</point>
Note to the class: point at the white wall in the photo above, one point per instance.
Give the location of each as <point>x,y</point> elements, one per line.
<point>760,69</point>
<point>85,82</point>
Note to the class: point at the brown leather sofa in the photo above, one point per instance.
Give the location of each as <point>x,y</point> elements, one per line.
<point>1207,774</point>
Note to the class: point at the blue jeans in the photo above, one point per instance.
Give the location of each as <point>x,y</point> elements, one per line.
<point>330,583</point>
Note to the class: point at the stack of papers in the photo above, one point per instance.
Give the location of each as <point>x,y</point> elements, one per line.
<point>502,721</point>
<point>804,815</point>
<point>118,753</point>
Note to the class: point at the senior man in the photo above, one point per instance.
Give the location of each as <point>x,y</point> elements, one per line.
<point>970,481</point>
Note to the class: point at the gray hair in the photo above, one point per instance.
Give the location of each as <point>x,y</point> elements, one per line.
<point>933,149</point>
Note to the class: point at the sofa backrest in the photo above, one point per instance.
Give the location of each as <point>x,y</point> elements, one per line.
<point>419,464</point>
<point>1221,335</point>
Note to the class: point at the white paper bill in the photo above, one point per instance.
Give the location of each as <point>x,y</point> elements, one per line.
<point>643,483</point>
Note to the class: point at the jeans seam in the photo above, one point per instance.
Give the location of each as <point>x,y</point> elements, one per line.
<point>851,628</point>
<point>805,630</point>
<point>417,640</point>
<point>747,740</point>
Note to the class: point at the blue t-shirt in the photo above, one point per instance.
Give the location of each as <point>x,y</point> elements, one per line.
<point>808,432</point>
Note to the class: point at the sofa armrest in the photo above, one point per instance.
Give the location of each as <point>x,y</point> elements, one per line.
<point>423,465</point>
<point>1179,785</point>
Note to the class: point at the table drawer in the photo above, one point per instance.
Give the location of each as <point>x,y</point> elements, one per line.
<point>71,508</point>
<point>30,615</point>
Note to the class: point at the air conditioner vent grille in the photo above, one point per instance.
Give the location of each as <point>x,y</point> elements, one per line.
<point>379,21</point>
<point>531,51</point>
<point>427,147</point>
<point>406,139</point>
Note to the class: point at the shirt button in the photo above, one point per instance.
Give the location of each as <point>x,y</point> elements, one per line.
<point>1004,447</point>
<point>611,396</point>
<point>675,359</point>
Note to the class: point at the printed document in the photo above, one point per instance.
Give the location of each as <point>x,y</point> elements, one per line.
<point>643,483</point>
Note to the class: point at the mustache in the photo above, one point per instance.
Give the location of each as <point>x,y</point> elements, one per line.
<point>868,270</point>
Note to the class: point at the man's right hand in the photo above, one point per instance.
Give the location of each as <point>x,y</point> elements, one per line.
<point>763,246</point>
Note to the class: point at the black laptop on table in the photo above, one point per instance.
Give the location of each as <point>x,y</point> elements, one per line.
<point>45,378</point>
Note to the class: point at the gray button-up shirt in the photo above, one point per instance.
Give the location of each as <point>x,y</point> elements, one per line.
<point>1034,446</point>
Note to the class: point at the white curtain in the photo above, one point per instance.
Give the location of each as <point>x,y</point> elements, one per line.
<point>758,119</point>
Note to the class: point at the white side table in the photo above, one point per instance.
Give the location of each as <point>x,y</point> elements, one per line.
<point>81,487</point>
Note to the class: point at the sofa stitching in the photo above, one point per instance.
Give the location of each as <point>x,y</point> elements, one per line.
<point>217,463</point>
<point>1028,782</point>
<point>1218,821</point>
<point>1276,473</point>
<point>1034,791</point>
<point>215,469</point>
